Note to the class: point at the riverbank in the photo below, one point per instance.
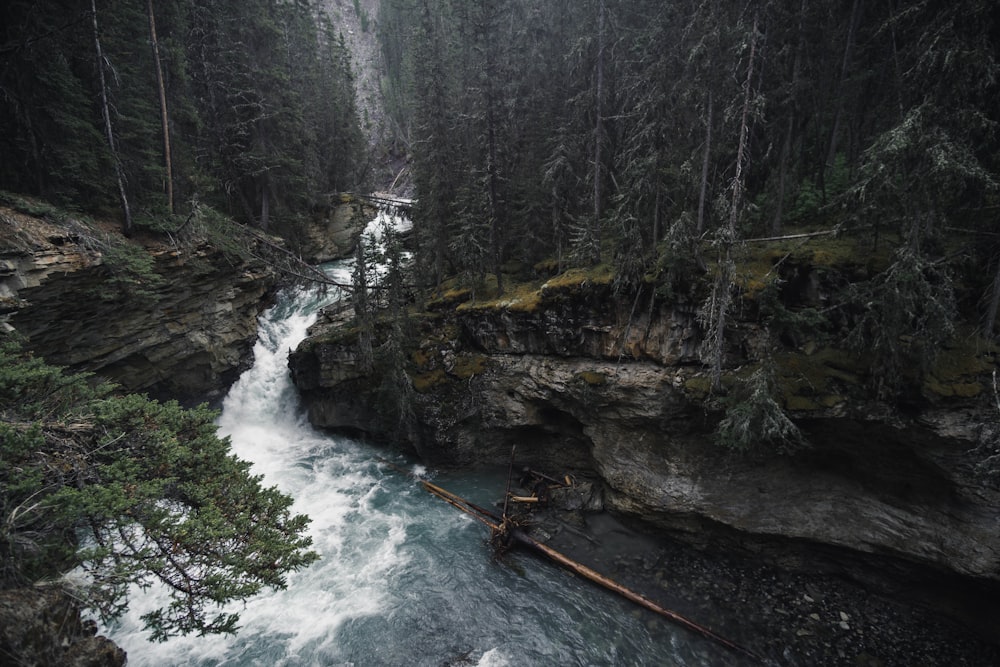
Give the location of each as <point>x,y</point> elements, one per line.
<point>790,617</point>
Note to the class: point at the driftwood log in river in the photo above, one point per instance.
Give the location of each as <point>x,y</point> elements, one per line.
<point>504,530</point>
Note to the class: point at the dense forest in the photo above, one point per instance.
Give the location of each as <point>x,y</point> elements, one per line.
<point>149,109</point>
<point>153,114</point>
<point>658,137</point>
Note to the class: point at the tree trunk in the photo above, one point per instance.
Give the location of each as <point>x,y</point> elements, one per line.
<point>495,222</point>
<point>598,135</point>
<point>657,214</point>
<point>991,311</point>
<point>844,66</point>
<point>724,281</point>
<point>895,60</point>
<point>704,167</point>
<point>362,312</point>
<point>786,149</point>
<point>265,203</point>
<point>491,169</point>
<point>741,149</point>
<point>108,132</point>
<point>158,68</point>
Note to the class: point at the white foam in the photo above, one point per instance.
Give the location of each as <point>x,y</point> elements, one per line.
<point>494,658</point>
<point>329,483</point>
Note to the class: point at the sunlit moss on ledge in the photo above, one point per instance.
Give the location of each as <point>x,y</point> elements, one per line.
<point>526,297</point>
<point>517,297</point>
<point>602,274</point>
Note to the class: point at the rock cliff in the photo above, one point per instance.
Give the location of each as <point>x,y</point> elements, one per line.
<point>184,329</point>
<point>332,231</point>
<point>581,382</point>
<point>42,627</point>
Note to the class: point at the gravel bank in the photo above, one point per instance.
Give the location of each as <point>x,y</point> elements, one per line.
<point>789,617</point>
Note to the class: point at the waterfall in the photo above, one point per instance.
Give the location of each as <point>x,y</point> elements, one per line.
<point>403,578</point>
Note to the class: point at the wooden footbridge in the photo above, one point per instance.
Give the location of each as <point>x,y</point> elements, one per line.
<point>387,200</point>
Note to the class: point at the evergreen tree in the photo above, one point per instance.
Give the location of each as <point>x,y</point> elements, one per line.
<point>244,105</point>
<point>158,494</point>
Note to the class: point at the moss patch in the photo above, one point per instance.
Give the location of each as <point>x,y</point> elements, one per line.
<point>518,297</point>
<point>593,378</point>
<point>960,369</point>
<point>425,382</point>
<point>800,403</point>
<point>449,298</point>
<point>809,382</point>
<point>602,274</point>
<point>757,272</point>
<point>698,386</point>
<point>470,365</point>
<point>547,267</point>
<point>420,358</point>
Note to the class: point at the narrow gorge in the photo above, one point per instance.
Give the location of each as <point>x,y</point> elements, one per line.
<point>583,383</point>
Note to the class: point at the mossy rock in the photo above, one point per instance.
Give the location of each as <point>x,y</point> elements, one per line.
<point>579,278</point>
<point>967,389</point>
<point>518,297</point>
<point>952,390</point>
<point>470,365</point>
<point>547,267</point>
<point>698,386</point>
<point>757,272</point>
<point>831,400</point>
<point>420,357</point>
<point>332,336</point>
<point>449,298</point>
<point>800,404</point>
<point>815,370</point>
<point>968,356</point>
<point>425,382</point>
<point>593,378</point>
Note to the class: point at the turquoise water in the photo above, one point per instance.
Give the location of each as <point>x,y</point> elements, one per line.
<point>404,578</point>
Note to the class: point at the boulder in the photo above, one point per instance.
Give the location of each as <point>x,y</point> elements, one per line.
<point>42,626</point>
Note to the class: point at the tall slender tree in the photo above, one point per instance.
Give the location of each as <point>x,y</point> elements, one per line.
<point>721,299</point>
<point>108,129</point>
<point>164,120</point>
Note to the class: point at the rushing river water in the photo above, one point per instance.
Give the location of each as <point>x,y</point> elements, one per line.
<point>404,578</point>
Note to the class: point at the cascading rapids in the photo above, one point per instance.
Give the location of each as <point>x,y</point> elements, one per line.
<point>403,578</point>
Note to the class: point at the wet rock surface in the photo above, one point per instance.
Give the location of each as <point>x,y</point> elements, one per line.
<point>787,617</point>
<point>42,627</point>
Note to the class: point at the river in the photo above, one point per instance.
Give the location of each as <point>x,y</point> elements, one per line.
<point>404,578</point>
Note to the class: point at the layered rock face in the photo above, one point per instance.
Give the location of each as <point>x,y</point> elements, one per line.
<point>42,627</point>
<point>581,383</point>
<point>188,335</point>
<point>332,232</point>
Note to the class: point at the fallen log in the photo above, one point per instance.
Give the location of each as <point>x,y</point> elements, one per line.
<point>629,594</point>
<point>502,526</point>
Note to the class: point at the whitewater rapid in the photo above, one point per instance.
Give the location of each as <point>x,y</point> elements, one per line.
<point>403,578</point>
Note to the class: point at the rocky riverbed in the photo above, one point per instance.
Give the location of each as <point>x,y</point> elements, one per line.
<point>787,616</point>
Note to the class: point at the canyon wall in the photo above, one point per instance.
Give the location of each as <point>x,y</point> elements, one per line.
<point>585,384</point>
<point>186,333</point>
